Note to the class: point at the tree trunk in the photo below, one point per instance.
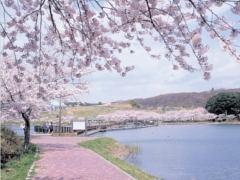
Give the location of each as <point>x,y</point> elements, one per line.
<point>26,135</point>
<point>238,117</point>
<point>26,117</point>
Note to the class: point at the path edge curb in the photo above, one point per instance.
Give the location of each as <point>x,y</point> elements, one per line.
<point>33,165</point>
<point>111,164</point>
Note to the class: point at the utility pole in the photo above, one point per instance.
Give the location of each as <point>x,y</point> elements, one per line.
<point>60,114</point>
<point>85,127</point>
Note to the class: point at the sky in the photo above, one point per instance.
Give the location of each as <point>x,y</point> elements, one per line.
<point>153,77</point>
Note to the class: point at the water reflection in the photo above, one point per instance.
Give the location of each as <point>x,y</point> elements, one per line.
<point>136,151</point>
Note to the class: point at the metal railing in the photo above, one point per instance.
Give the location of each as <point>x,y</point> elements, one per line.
<point>64,129</point>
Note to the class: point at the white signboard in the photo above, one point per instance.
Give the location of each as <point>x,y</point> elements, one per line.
<point>79,125</point>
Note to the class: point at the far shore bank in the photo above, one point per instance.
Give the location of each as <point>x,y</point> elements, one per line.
<point>198,122</point>
<point>160,123</point>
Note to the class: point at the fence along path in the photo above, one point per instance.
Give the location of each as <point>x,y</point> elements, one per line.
<point>63,159</point>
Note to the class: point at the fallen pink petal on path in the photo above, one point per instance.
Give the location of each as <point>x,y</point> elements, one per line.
<point>63,159</point>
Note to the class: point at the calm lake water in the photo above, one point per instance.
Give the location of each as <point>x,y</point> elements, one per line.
<point>19,131</point>
<point>185,152</point>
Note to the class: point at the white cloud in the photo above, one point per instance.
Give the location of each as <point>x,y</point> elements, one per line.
<point>154,77</point>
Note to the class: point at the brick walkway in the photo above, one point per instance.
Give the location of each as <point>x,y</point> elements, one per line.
<point>62,159</point>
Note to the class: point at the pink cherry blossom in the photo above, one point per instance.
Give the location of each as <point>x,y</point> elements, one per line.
<point>79,31</point>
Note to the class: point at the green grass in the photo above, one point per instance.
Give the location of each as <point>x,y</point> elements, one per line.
<point>103,146</point>
<point>20,165</point>
<point>86,111</point>
<point>77,112</point>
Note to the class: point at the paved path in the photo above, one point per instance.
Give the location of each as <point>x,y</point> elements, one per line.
<point>63,159</point>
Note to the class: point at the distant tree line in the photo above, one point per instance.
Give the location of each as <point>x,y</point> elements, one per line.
<point>191,99</point>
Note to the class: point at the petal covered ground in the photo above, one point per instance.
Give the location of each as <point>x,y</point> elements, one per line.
<point>63,159</point>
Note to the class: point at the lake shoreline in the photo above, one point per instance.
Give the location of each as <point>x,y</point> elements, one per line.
<point>184,150</point>
<point>112,151</point>
<point>198,123</point>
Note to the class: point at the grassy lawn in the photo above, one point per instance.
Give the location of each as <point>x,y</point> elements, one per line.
<point>76,112</point>
<point>103,146</point>
<point>91,111</point>
<point>19,165</point>
<point>85,111</point>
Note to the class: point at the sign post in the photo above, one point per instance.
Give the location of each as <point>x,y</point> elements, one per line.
<point>85,128</point>
<point>79,125</point>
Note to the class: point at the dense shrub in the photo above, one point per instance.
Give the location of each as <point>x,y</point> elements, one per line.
<point>11,146</point>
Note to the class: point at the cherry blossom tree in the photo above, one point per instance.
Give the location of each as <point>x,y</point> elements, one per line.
<point>26,91</point>
<point>130,115</point>
<point>59,38</point>
<point>198,114</point>
<point>87,32</point>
